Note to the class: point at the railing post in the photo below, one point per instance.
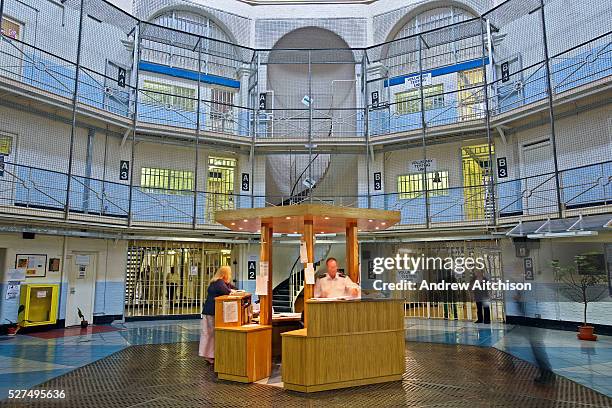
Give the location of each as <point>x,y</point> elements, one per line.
<point>1,10</point>
<point>75,95</point>
<point>551,112</point>
<point>366,123</point>
<point>197,135</point>
<point>491,180</point>
<point>423,130</point>
<point>310,124</point>
<point>135,67</point>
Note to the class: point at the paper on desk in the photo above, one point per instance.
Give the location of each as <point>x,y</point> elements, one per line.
<point>309,274</point>
<point>303,253</point>
<point>261,285</point>
<point>230,312</point>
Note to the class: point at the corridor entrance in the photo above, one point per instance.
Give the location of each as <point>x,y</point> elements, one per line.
<point>170,278</point>
<point>454,304</point>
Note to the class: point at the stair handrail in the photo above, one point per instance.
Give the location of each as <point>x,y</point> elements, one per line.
<point>296,282</point>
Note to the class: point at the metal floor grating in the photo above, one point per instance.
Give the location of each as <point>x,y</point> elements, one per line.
<point>437,375</point>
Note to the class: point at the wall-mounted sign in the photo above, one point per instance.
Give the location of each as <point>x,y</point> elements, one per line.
<point>263,101</point>
<point>246,182</point>
<point>528,263</point>
<point>414,81</point>
<point>81,259</point>
<point>252,268</point>
<point>377,181</point>
<point>505,71</point>
<point>375,98</point>
<point>502,167</point>
<point>423,165</point>
<point>124,170</point>
<point>121,77</point>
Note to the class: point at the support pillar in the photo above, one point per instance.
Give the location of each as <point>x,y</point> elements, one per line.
<point>265,313</point>
<point>352,251</point>
<point>308,238</point>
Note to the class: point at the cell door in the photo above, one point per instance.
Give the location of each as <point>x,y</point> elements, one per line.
<point>220,185</point>
<point>81,285</point>
<point>478,203</point>
<point>539,188</point>
<point>471,94</point>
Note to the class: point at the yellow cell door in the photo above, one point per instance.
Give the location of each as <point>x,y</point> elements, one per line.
<point>476,177</point>
<point>471,94</point>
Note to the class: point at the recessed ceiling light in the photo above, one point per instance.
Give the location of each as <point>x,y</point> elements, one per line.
<point>245,220</point>
<point>239,228</point>
<point>295,232</point>
<point>287,218</point>
<point>376,228</point>
<point>370,220</point>
<point>383,223</point>
<point>327,218</point>
<point>233,223</point>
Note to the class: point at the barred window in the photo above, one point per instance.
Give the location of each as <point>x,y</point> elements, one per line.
<point>175,96</point>
<point>6,144</point>
<point>10,28</point>
<point>166,181</point>
<point>409,101</point>
<point>411,185</point>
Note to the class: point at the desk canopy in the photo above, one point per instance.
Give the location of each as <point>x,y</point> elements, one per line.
<point>327,219</point>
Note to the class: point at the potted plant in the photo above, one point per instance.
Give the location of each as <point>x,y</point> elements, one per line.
<point>13,327</point>
<point>84,322</point>
<point>584,282</point>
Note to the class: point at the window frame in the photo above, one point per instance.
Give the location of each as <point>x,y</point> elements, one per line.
<point>433,96</point>
<point>416,181</point>
<point>166,181</point>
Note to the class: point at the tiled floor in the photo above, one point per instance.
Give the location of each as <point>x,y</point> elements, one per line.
<point>28,360</point>
<point>585,362</point>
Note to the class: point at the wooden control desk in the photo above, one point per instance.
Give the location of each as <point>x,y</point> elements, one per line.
<point>345,344</point>
<point>243,353</point>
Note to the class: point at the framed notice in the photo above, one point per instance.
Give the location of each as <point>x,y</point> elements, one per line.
<point>54,264</point>
<point>35,265</point>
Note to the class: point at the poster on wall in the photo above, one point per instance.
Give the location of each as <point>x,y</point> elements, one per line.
<point>35,265</point>
<point>12,290</point>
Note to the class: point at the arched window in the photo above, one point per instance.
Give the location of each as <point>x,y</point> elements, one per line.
<point>218,58</point>
<point>449,51</point>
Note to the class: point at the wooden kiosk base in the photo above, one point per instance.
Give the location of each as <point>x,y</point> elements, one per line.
<point>243,353</point>
<point>346,344</point>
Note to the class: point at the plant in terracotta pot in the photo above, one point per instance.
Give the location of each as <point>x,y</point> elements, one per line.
<point>13,327</point>
<point>584,282</point>
<point>84,323</point>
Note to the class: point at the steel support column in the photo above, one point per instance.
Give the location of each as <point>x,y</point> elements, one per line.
<point>551,112</point>
<point>423,131</point>
<point>136,76</point>
<point>73,124</point>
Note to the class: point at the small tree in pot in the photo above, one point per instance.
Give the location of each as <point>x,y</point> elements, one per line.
<point>584,282</point>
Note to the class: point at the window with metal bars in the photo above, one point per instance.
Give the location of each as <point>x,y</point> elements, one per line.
<point>166,181</point>
<point>411,185</point>
<point>170,95</point>
<point>410,101</point>
<point>10,28</point>
<point>220,185</point>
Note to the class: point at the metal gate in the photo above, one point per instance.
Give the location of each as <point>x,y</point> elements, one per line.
<point>170,278</point>
<point>454,304</point>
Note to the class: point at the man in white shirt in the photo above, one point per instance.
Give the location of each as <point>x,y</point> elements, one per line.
<point>335,284</point>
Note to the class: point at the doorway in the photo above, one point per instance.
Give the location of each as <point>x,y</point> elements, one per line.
<point>539,189</point>
<point>81,284</point>
<point>170,278</point>
<point>476,167</point>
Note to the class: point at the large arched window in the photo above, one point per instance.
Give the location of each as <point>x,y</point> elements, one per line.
<point>218,58</point>
<point>447,51</point>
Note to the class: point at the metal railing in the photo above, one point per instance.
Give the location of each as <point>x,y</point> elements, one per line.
<point>36,192</point>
